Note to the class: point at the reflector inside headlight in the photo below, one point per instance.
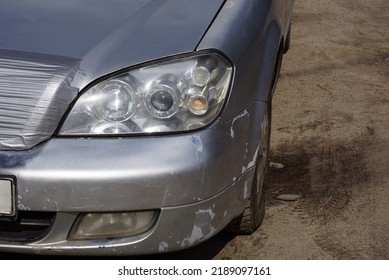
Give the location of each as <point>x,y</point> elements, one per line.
<point>179,95</point>
<point>112,225</point>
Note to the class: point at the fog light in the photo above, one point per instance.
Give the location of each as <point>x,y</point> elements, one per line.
<point>112,225</point>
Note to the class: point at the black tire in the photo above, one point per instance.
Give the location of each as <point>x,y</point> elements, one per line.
<point>253,215</point>
<point>288,39</point>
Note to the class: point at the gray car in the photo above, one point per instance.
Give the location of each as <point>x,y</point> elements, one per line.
<point>135,127</point>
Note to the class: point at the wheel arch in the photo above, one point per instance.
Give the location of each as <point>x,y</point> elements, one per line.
<point>271,59</point>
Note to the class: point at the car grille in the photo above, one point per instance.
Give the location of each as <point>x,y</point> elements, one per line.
<point>29,226</point>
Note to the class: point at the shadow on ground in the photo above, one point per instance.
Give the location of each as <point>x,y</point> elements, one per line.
<point>204,251</point>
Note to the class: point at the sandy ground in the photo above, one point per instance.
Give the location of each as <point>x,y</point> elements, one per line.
<point>330,131</point>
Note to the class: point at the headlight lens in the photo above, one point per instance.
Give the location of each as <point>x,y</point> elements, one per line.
<point>179,95</point>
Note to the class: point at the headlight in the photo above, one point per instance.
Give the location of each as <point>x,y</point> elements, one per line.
<point>178,95</point>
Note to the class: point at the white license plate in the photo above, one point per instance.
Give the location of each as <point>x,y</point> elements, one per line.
<point>7,197</point>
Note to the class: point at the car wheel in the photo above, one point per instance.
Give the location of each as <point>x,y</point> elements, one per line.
<point>254,212</point>
<point>287,40</point>
<point>251,218</point>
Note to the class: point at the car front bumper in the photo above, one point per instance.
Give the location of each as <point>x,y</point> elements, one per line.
<point>199,181</point>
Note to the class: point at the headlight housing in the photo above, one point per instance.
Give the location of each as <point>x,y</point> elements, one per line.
<point>178,95</point>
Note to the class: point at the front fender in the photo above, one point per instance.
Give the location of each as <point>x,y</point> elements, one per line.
<point>249,34</point>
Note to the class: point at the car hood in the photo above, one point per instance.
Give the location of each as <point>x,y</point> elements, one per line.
<point>50,50</point>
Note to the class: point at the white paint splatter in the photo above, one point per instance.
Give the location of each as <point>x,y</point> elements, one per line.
<point>246,191</point>
<point>163,246</point>
<point>252,163</point>
<point>196,140</point>
<point>197,234</point>
<point>49,202</point>
<point>23,208</point>
<point>243,169</point>
<point>241,115</point>
<point>209,211</point>
<point>232,132</point>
